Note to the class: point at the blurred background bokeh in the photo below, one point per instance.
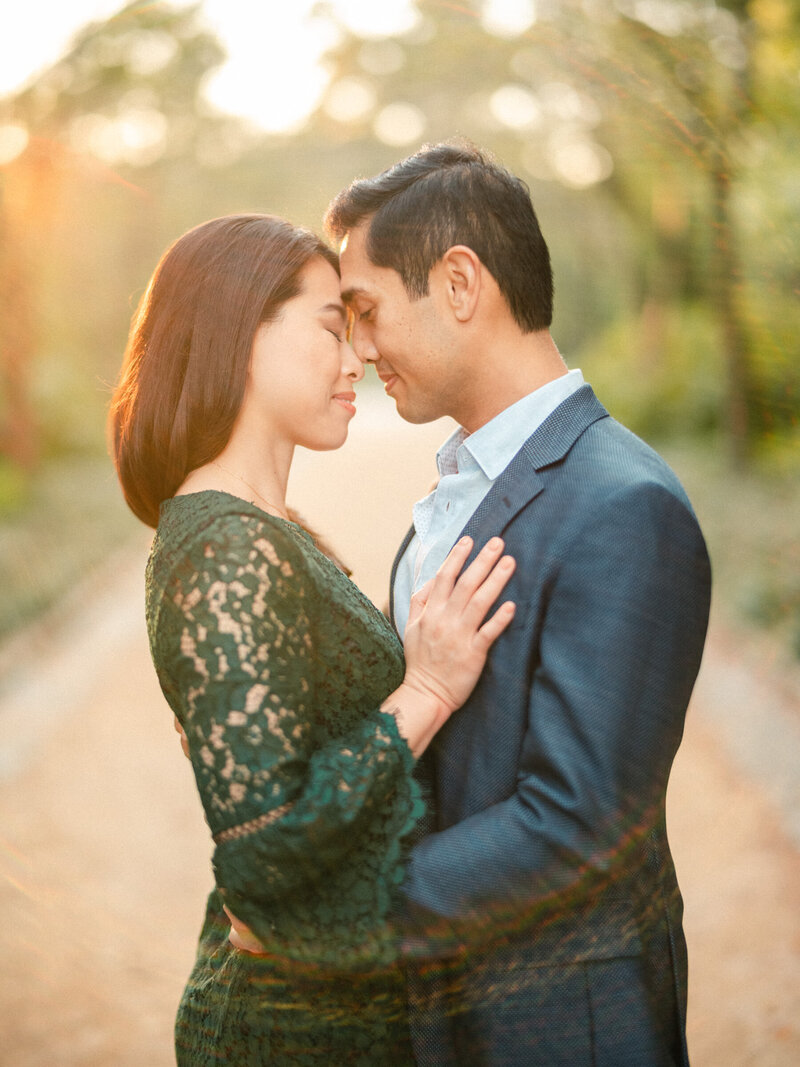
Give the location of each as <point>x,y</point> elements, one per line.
<point>661,143</point>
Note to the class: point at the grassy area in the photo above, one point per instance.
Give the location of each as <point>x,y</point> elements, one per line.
<point>59,526</point>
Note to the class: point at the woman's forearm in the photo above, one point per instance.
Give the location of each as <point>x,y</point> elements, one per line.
<point>418,716</point>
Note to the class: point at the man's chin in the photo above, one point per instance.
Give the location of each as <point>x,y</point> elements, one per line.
<point>420,420</point>
<point>415,415</point>
<point>416,411</point>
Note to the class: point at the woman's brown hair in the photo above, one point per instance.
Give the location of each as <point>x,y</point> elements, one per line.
<point>185,368</point>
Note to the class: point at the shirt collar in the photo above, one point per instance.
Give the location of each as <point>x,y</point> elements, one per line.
<point>495,444</point>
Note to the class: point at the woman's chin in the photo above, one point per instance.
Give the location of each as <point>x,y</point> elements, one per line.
<point>328,445</point>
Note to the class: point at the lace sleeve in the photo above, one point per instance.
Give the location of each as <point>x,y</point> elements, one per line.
<point>283,811</point>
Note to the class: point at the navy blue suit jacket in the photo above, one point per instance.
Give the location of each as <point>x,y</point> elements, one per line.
<point>541,912</point>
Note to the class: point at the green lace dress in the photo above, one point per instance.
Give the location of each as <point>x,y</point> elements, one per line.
<point>276,665</point>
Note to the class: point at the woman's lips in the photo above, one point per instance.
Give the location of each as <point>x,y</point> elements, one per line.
<point>347,401</point>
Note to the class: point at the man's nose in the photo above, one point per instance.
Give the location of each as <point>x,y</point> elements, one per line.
<point>362,344</point>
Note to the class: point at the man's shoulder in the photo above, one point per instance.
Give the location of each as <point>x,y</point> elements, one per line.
<point>612,451</point>
<point>606,467</point>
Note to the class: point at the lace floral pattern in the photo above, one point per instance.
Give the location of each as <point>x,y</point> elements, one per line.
<point>276,665</point>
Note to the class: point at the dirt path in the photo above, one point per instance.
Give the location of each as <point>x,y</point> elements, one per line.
<point>104,854</point>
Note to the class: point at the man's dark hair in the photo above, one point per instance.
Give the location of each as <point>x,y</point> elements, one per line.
<point>452,194</point>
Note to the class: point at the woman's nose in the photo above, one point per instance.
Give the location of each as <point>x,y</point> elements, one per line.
<point>351,364</point>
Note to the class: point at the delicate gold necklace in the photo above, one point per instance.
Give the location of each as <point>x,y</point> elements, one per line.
<point>252,489</point>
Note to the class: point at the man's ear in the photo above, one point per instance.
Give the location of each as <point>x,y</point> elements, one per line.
<point>461,274</point>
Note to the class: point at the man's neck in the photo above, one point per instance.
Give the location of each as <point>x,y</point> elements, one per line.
<point>507,373</point>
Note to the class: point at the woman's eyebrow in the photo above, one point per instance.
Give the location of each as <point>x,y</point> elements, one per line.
<point>339,309</point>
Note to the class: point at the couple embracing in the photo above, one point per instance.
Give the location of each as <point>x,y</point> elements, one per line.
<point>439,838</point>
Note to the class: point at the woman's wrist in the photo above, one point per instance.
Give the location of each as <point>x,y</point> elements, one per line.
<point>418,714</point>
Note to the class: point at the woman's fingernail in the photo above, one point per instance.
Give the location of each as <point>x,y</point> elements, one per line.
<point>496,542</point>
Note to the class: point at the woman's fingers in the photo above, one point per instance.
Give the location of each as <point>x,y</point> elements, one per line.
<point>418,601</point>
<point>480,584</point>
<point>242,937</point>
<point>449,632</point>
<point>484,595</point>
<point>184,739</point>
<point>467,593</point>
<point>479,569</point>
<point>491,630</point>
<point>453,587</point>
<point>447,575</point>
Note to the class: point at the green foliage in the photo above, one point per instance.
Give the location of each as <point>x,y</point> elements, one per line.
<point>770,598</point>
<point>774,328</point>
<point>13,488</point>
<point>659,371</point>
<point>749,519</point>
<point>75,410</point>
<point>71,518</point>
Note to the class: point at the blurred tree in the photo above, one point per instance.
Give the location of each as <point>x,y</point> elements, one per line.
<point>659,138</point>
<point>127,97</point>
<point>696,67</point>
<point>17,331</point>
<point>655,135</point>
<point>635,121</point>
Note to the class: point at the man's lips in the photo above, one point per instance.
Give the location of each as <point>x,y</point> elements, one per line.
<point>388,381</point>
<point>347,401</point>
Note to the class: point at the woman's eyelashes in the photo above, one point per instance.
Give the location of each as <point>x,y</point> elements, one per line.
<point>336,326</point>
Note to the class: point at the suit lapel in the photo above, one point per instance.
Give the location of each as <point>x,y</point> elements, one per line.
<point>520,482</point>
<point>400,553</point>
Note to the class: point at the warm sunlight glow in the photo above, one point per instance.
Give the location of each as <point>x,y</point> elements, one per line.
<point>137,136</point>
<point>661,15</point>
<point>274,75</point>
<point>399,125</point>
<point>13,142</point>
<point>142,52</point>
<point>350,100</point>
<point>373,19</point>
<point>38,32</point>
<point>381,57</point>
<point>516,107</point>
<point>508,18</point>
<point>578,161</point>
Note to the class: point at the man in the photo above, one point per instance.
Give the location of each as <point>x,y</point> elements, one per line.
<point>542,914</point>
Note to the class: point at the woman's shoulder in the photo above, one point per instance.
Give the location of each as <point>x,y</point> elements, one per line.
<point>214,528</point>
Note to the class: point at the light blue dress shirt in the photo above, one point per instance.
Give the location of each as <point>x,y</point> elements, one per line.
<point>468,466</point>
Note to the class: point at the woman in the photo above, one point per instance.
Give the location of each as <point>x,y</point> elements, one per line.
<point>301,720</point>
